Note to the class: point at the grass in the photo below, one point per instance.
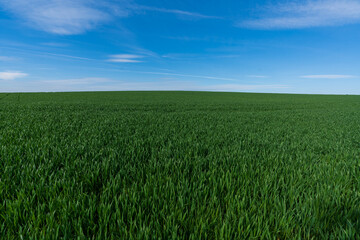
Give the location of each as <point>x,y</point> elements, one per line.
<point>179,165</point>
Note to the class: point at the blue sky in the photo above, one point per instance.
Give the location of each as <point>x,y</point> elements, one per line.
<point>308,46</point>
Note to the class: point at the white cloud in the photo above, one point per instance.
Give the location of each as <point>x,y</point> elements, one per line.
<point>67,17</point>
<point>87,84</point>
<point>11,75</point>
<point>105,84</point>
<point>119,60</point>
<point>125,58</point>
<point>58,85</point>
<point>57,16</point>
<point>305,14</point>
<point>328,76</point>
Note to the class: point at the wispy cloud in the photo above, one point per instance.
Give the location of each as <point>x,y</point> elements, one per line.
<point>185,75</point>
<point>240,87</point>
<point>175,11</point>
<point>104,84</point>
<point>193,76</point>
<point>63,17</point>
<point>11,75</point>
<point>193,86</point>
<point>67,17</point>
<point>125,58</point>
<point>77,81</point>
<point>7,59</point>
<point>328,76</point>
<point>55,44</point>
<point>64,56</point>
<point>257,76</point>
<point>26,49</point>
<point>305,14</point>
<point>59,85</point>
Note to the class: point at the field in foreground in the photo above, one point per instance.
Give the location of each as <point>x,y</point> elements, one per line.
<point>188,165</point>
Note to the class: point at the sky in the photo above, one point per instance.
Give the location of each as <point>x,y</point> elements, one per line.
<point>275,46</point>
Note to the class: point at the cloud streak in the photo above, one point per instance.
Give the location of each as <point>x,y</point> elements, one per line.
<point>63,17</point>
<point>257,76</point>
<point>186,75</point>
<point>306,14</point>
<point>240,87</point>
<point>6,59</point>
<point>11,75</point>
<point>78,81</point>
<point>104,84</point>
<point>125,58</point>
<point>328,76</point>
<point>69,17</point>
<point>175,11</point>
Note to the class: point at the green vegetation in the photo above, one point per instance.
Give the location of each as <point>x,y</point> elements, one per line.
<point>186,165</point>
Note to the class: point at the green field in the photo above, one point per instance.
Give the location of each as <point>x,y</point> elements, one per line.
<point>179,165</point>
